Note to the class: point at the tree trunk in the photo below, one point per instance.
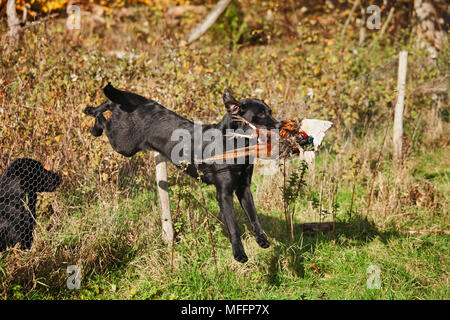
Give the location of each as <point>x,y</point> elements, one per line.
<point>200,29</point>
<point>431,24</point>
<point>13,22</point>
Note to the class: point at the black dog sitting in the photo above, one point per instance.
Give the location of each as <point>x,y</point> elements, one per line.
<point>137,123</point>
<point>19,186</point>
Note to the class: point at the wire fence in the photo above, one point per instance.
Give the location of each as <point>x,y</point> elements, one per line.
<point>28,180</point>
<point>19,185</point>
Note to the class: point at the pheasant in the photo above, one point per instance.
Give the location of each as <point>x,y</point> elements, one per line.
<point>296,137</point>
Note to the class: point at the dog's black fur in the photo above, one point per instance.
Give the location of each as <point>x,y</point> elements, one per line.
<point>137,123</point>
<point>19,185</point>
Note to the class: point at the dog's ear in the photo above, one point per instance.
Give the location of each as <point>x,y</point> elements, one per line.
<point>231,103</point>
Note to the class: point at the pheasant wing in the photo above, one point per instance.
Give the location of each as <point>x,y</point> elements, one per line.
<point>316,129</point>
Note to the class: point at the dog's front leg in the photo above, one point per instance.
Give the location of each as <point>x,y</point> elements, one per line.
<point>225,198</point>
<point>246,200</point>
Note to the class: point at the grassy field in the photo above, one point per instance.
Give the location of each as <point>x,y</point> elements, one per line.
<point>105,217</point>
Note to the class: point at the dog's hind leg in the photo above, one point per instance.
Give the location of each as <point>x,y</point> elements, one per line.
<point>100,120</point>
<point>99,125</point>
<point>94,112</point>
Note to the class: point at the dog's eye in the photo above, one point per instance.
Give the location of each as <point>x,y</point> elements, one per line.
<point>261,115</point>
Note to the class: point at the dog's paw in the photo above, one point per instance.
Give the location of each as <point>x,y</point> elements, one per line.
<point>241,257</point>
<point>96,132</point>
<point>89,111</point>
<point>262,241</point>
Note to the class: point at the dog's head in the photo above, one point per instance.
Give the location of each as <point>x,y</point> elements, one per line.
<point>33,176</point>
<point>253,110</point>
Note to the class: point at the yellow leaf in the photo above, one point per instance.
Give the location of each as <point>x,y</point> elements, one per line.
<point>316,70</point>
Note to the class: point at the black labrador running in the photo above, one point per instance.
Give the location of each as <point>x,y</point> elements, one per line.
<point>19,185</point>
<point>137,123</point>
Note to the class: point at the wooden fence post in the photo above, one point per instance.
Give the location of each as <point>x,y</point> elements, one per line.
<point>163,196</point>
<point>398,116</point>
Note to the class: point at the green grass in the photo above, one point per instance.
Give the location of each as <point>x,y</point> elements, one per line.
<point>312,266</point>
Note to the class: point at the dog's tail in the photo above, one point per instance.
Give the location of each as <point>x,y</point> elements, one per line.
<point>128,101</point>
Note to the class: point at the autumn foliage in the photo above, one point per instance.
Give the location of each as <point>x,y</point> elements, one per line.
<point>290,54</point>
<point>45,6</point>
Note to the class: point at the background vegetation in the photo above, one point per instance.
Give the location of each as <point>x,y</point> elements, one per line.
<point>105,216</point>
